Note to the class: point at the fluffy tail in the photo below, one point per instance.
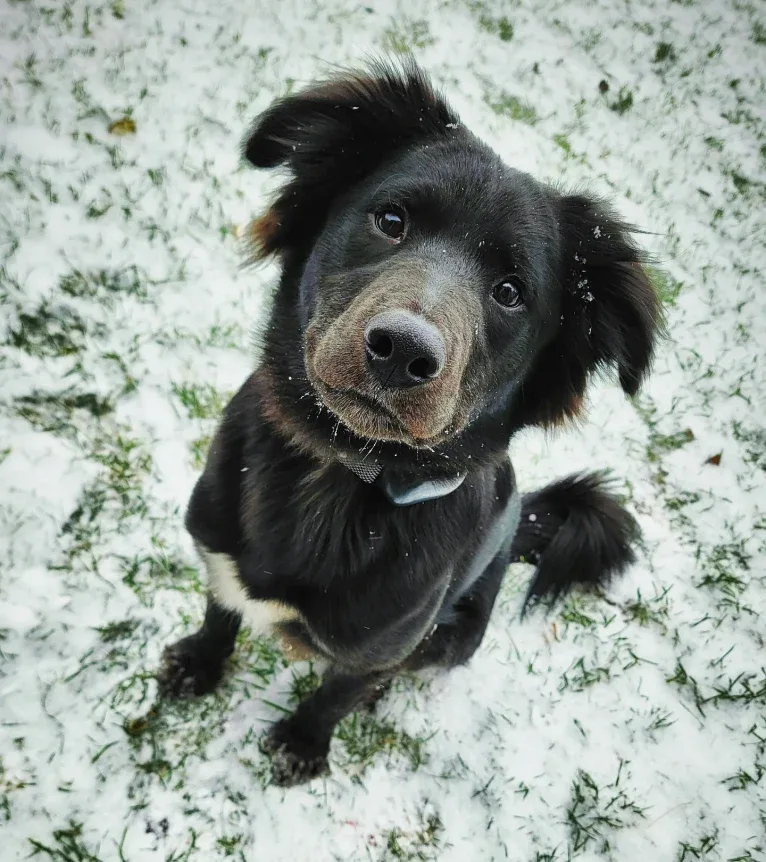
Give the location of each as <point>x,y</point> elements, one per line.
<point>576,533</point>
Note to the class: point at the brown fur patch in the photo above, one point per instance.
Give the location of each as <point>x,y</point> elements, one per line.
<point>571,415</point>
<point>336,360</point>
<point>296,649</point>
<point>260,234</point>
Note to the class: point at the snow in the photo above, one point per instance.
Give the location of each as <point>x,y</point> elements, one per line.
<point>654,695</point>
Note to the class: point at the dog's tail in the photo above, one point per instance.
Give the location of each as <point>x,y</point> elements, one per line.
<point>576,533</point>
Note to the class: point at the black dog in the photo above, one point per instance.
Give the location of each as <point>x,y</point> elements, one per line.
<point>358,499</point>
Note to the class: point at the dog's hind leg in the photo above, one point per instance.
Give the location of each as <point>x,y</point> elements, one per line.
<point>461,627</point>
<point>194,665</point>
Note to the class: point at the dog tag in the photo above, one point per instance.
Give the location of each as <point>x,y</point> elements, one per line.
<point>407,490</point>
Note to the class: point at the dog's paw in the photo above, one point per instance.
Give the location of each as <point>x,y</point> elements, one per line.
<point>294,760</point>
<point>186,671</point>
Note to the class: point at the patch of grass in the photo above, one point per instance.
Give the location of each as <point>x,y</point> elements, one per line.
<point>583,674</point>
<point>714,143</point>
<point>8,784</point>
<point>595,811</point>
<point>667,288</point>
<point>500,27</point>
<point>688,683</point>
<point>55,412</point>
<point>681,500</point>
<point>103,283</point>
<point>117,631</point>
<point>699,850</point>
<point>758,34</point>
<point>659,720</point>
<point>655,610</point>
<point>421,844</point>
<point>659,444</point>
<point>573,613</point>
<point>118,490</point>
<point>167,735</point>
<point>754,444</point>
<point>259,656</point>
<point>623,103</point>
<point>563,142</point>
<point>52,331</point>
<point>68,846</point>
<point>724,570</point>
<point>199,449</point>
<point>741,183</point>
<point>148,573</point>
<point>508,105</point>
<point>742,779</point>
<point>202,401</point>
<point>365,737</point>
<point>745,688</point>
<point>303,684</point>
<point>407,35</point>
<point>665,52</point>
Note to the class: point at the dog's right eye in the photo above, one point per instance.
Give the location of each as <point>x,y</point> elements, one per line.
<point>390,222</point>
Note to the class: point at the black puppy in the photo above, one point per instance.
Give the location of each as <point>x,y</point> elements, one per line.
<point>358,498</point>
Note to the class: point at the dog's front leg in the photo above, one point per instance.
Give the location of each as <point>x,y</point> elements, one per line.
<point>194,665</point>
<point>299,744</point>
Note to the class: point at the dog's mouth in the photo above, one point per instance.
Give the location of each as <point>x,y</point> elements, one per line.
<point>366,416</point>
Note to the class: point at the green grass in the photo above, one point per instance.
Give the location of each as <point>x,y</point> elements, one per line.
<point>201,400</point>
<point>508,105</point>
<point>407,35</point>
<point>58,413</point>
<point>665,52</point>
<point>52,331</point>
<point>596,811</point>
<point>67,846</point>
<point>104,283</point>
<point>753,442</point>
<point>366,737</point>
<point>500,27</point>
<point>148,573</point>
<point>645,612</point>
<point>623,102</point>
<point>421,844</point>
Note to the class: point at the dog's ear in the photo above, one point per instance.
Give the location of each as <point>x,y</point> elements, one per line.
<point>332,135</point>
<point>610,313</point>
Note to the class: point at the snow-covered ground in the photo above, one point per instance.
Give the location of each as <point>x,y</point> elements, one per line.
<point>631,727</point>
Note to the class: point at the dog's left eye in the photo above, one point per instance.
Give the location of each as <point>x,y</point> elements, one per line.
<point>391,223</point>
<point>508,293</point>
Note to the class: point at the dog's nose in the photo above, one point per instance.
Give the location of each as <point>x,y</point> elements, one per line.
<point>403,349</point>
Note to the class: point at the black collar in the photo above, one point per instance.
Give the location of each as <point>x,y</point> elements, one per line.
<point>402,489</point>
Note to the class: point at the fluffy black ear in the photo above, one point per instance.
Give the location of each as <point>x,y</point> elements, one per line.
<point>333,134</point>
<point>610,312</point>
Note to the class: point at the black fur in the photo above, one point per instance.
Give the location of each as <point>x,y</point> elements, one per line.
<point>372,587</point>
<point>575,533</point>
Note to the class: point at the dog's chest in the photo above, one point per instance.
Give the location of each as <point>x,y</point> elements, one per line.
<point>225,584</point>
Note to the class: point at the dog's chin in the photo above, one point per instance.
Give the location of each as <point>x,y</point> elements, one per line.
<point>367,418</point>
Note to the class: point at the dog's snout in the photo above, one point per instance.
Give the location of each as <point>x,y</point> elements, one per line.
<point>403,349</point>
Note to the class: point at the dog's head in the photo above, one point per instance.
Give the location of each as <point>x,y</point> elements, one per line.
<point>428,288</point>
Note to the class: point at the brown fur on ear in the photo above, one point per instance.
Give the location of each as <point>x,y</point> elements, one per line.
<point>332,134</point>
<point>569,415</point>
<point>260,235</point>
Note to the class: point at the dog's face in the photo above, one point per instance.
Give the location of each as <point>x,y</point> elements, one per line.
<point>427,293</point>
<point>434,285</point>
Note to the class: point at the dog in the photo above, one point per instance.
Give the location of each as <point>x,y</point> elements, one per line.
<point>358,499</point>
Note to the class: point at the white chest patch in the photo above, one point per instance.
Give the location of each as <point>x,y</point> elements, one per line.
<point>223,579</point>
